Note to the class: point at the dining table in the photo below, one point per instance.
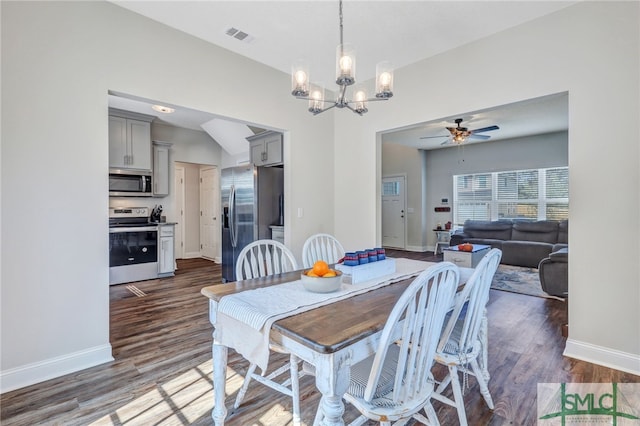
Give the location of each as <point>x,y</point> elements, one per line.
<point>330,331</point>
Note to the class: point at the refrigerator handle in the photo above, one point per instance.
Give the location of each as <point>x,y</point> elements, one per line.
<point>232,217</point>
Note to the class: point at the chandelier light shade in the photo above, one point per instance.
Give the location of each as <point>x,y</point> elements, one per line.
<point>316,99</point>
<point>345,65</point>
<point>302,88</point>
<point>300,79</point>
<point>384,80</point>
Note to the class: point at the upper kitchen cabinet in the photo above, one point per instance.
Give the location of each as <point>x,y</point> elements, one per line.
<point>129,140</point>
<point>266,149</point>
<point>161,168</point>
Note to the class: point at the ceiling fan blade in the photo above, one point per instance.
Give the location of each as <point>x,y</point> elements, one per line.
<point>482,137</point>
<point>432,137</point>
<point>485,129</point>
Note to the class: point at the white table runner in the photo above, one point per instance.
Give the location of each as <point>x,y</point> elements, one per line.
<point>244,320</point>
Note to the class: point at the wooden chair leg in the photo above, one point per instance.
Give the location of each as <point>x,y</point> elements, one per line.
<point>457,395</point>
<point>484,341</point>
<point>484,389</point>
<point>431,415</point>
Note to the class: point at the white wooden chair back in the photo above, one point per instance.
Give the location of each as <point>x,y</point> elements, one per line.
<point>321,247</point>
<point>470,306</point>
<point>415,322</point>
<point>264,257</point>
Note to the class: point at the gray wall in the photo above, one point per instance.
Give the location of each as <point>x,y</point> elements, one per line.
<point>403,160</point>
<point>550,150</point>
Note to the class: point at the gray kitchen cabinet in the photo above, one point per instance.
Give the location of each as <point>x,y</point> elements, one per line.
<point>129,140</point>
<point>161,168</point>
<point>266,148</point>
<point>166,260</point>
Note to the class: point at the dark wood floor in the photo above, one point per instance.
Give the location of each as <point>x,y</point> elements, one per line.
<point>161,375</point>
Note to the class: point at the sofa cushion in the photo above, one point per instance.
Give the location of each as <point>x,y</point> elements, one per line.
<point>561,255</point>
<point>525,253</point>
<point>563,232</point>
<point>543,231</point>
<point>496,230</point>
<point>559,246</point>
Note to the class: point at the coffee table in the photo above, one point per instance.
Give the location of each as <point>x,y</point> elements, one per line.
<point>468,259</point>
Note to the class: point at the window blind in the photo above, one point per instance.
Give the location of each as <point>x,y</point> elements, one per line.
<point>535,194</point>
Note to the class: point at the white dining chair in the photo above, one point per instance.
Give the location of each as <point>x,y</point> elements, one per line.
<point>264,257</point>
<point>259,259</point>
<point>396,383</point>
<point>461,343</point>
<point>321,247</point>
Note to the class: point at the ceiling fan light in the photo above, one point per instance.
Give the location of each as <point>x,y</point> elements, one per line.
<point>384,80</point>
<point>459,138</point>
<point>345,64</point>
<point>300,79</point>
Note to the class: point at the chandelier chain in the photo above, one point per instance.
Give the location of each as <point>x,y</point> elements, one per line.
<point>341,38</point>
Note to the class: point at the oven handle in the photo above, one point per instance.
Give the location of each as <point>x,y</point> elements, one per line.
<point>132,229</point>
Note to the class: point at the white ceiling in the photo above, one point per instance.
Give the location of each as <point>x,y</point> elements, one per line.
<point>402,32</point>
<point>546,114</point>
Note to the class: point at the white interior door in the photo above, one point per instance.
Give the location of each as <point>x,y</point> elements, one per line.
<point>179,185</point>
<point>393,212</point>
<point>209,208</point>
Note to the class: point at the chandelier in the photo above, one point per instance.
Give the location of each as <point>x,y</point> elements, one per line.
<point>345,76</point>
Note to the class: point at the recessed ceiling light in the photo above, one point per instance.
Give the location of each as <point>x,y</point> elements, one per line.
<point>163,109</point>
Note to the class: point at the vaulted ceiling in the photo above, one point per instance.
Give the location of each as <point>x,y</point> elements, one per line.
<point>276,33</point>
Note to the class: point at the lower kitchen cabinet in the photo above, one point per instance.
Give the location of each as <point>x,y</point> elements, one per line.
<point>166,258</point>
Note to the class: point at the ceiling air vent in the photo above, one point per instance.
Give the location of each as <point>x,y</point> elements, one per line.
<point>239,35</point>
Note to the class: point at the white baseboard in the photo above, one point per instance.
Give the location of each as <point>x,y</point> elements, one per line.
<point>30,374</point>
<point>618,360</point>
<point>192,255</point>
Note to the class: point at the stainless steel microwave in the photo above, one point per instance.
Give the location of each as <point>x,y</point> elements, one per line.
<point>129,183</point>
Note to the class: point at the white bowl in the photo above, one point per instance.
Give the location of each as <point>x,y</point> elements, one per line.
<point>322,284</point>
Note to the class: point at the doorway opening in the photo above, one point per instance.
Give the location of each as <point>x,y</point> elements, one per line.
<point>197,206</point>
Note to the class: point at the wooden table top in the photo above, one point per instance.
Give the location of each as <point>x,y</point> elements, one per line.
<point>328,328</point>
<point>332,327</point>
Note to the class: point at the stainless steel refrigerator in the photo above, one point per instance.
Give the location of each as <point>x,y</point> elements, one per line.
<point>250,204</point>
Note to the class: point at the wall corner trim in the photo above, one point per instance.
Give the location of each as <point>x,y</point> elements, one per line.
<point>618,360</point>
<point>29,374</point>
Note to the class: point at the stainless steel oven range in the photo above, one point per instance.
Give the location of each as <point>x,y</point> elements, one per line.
<point>133,245</point>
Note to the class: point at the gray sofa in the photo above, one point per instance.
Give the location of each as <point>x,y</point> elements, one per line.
<point>523,243</point>
<point>554,273</point>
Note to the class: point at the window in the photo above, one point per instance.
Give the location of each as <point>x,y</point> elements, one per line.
<point>390,188</point>
<point>536,194</point>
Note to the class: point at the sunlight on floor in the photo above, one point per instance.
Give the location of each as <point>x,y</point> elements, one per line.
<point>182,400</point>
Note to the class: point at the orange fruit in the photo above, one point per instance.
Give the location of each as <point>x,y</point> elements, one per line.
<point>331,273</point>
<point>320,268</point>
<point>310,273</point>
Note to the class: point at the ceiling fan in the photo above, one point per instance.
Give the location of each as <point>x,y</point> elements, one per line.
<point>460,134</point>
